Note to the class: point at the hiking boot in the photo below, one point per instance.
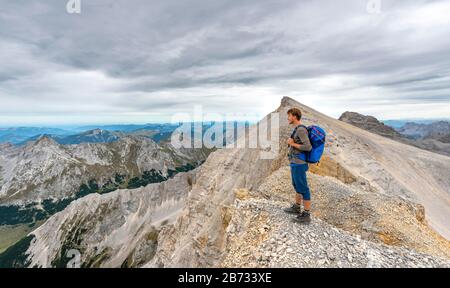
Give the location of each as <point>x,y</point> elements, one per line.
<point>304,218</point>
<point>294,209</point>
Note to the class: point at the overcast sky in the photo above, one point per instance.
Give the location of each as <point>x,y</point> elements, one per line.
<point>139,61</point>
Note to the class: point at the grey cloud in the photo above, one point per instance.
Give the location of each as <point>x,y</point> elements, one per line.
<point>159,47</point>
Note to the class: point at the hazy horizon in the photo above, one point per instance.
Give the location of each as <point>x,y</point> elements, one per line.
<point>99,125</point>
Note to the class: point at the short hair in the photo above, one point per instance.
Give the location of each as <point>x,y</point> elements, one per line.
<point>295,112</point>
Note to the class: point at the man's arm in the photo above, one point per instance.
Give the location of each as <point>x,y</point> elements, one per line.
<point>302,133</point>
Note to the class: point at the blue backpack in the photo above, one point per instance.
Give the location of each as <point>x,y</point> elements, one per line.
<point>317,138</point>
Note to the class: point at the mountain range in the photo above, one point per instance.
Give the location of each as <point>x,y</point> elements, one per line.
<point>98,134</point>
<point>90,136</point>
<point>439,131</point>
<point>20,136</point>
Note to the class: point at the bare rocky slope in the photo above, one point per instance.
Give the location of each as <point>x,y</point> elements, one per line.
<point>377,203</point>
<point>397,169</point>
<point>111,230</point>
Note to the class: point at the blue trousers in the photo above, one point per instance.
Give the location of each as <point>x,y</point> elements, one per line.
<point>299,181</point>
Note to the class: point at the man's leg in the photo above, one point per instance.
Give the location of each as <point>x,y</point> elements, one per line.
<point>306,193</point>
<point>302,183</point>
<point>298,199</point>
<point>307,205</point>
<point>296,207</point>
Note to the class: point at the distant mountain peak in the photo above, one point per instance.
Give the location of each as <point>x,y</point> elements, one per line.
<point>96,131</point>
<point>369,123</point>
<point>44,140</point>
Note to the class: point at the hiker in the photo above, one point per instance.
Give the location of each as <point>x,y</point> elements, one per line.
<point>299,143</point>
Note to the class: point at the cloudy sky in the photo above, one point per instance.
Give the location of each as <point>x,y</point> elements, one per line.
<point>139,61</point>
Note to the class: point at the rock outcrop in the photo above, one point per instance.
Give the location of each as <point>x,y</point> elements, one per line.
<point>370,124</point>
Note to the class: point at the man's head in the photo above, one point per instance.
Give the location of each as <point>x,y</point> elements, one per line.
<point>294,115</point>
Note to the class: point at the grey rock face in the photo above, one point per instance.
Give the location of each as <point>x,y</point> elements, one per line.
<point>112,230</point>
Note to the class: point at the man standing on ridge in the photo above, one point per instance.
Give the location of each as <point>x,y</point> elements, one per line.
<point>299,143</point>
